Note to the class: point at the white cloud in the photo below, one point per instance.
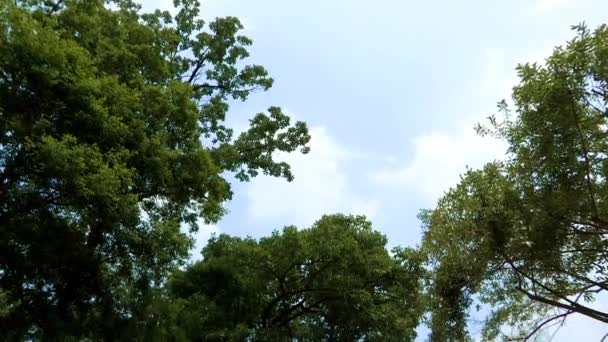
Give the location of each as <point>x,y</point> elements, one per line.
<point>441,156</point>
<point>321,186</point>
<point>439,159</point>
<point>545,6</point>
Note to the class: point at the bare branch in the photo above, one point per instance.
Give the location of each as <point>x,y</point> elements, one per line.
<point>198,66</point>
<point>571,306</point>
<point>541,325</point>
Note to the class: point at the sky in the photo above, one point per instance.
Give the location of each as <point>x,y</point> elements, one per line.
<point>391,90</point>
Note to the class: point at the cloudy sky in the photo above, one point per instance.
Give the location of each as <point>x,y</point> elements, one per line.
<point>391,90</point>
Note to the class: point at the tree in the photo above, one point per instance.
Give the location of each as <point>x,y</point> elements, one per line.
<point>332,282</point>
<point>112,135</point>
<point>528,236</point>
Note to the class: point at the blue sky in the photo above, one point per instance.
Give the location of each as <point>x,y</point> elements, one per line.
<point>391,91</point>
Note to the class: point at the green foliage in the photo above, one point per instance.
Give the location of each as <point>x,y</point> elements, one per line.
<point>111,136</point>
<point>334,281</point>
<point>529,235</point>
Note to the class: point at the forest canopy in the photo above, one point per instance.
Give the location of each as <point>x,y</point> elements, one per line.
<point>115,144</point>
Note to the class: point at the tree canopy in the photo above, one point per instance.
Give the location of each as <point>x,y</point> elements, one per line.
<point>332,282</point>
<point>114,146</point>
<point>112,135</point>
<point>527,235</point>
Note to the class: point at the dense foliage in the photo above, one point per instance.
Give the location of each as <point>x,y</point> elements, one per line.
<point>332,282</point>
<point>111,137</point>
<point>528,236</point>
<point>114,144</point>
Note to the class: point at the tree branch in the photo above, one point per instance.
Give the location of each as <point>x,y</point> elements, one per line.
<point>541,325</point>
<point>197,67</point>
<point>571,306</point>
<point>55,7</point>
<point>602,286</point>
